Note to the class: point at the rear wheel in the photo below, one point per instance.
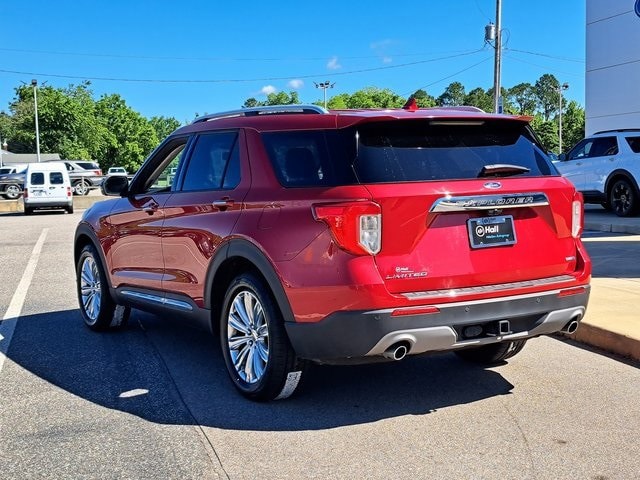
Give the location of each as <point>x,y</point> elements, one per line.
<point>493,353</point>
<point>623,198</point>
<point>81,187</point>
<point>256,350</point>
<point>98,309</point>
<point>28,210</point>
<point>69,209</point>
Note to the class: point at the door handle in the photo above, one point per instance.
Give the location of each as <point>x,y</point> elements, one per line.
<point>223,203</point>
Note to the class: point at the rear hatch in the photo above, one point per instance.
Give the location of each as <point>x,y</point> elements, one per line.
<point>464,204</point>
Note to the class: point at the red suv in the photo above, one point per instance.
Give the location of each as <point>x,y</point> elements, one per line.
<point>301,234</point>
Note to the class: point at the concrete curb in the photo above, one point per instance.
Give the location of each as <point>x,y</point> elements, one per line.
<point>612,227</point>
<point>607,340</point>
<point>16,206</point>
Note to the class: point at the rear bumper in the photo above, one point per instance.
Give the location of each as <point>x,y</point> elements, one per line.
<point>360,334</point>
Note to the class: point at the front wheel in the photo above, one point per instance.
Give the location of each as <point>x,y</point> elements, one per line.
<point>492,353</point>
<point>98,309</point>
<point>256,350</point>
<point>623,198</point>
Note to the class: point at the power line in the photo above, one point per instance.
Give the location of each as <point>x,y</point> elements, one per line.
<point>447,77</point>
<point>236,80</point>
<point>576,60</point>
<point>210,59</point>
<point>547,68</point>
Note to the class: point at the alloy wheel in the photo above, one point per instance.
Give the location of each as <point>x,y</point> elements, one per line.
<point>90,288</point>
<point>622,198</point>
<point>248,337</point>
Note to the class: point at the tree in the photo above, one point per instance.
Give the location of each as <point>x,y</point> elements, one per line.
<point>373,97</point>
<point>423,99</point>
<point>453,95</point>
<point>130,136</point>
<point>479,98</point>
<point>547,131</point>
<point>546,92</point>
<point>572,125</point>
<point>164,126</point>
<point>523,99</point>
<point>280,98</point>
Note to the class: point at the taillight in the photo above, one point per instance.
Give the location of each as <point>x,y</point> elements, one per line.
<point>25,192</point>
<point>69,192</point>
<point>355,226</point>
<point>577,217</point>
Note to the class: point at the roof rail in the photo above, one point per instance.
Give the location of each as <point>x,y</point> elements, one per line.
<point>619,130</point>
<point>266,110</point>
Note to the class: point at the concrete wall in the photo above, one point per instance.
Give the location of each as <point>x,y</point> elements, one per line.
<point>613,65</point>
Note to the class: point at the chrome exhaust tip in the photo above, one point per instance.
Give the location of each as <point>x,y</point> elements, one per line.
<point>570,327</point>
<point>397,351</point>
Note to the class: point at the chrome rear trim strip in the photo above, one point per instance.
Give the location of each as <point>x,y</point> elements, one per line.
<point>489,202</point>
<point>147,297</point>
<point>503,287</point>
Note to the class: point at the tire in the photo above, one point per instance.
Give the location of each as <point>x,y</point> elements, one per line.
<point>12,192</point>
<point>98,309</point>
<point>259,358</point>
<point>28,211</point>
<point>623,198</point>
<point>69,209</point>
<point>492,354</point>
<point>81,187</point>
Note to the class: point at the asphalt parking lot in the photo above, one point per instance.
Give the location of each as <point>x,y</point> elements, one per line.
<point>154,400</point>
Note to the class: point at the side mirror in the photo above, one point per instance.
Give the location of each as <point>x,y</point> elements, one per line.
<point>562,157</point>
<point>115,185</point>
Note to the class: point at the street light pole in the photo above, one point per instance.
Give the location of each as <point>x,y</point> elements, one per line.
<point>324,86</point>
<point>561,88</point>
<point>34,83</point>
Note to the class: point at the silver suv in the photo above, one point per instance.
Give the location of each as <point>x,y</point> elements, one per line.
<point>605,167</point>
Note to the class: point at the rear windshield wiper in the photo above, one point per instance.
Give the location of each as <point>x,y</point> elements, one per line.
<point>502,170</point>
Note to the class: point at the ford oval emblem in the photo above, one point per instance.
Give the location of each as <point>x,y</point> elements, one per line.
<point>493,185</point>
<point>637,7</point>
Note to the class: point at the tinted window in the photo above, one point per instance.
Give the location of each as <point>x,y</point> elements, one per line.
<point>89,165</point>
<point>55,178</point>
<point>402,151</point>
<point>312,158</point>
<point>603,146</point>
<point>37,178</point>
<point>634,143</point>
<point>210,163</point>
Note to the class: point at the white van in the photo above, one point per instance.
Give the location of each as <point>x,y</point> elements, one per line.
<point>47,185</point>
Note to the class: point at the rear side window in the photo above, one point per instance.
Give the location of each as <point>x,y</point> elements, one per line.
<point>37,178</point>
<point>56,178</point>
<point>634,143</point>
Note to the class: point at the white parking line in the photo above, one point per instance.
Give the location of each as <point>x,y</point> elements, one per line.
<point>11,316</point>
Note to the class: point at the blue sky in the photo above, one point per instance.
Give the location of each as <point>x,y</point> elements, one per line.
<point>183,58</point>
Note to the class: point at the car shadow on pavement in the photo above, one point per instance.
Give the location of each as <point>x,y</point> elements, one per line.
<point>613,258</point>
<point>166,372</point>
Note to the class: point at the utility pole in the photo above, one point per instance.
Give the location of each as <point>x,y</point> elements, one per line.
<point>324,86</point>
<point>497,64</point>
<point>34,83</point>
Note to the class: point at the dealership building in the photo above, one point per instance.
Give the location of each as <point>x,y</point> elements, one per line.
<point>613,65</point>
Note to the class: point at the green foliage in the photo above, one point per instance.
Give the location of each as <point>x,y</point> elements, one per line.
<point>423,99</point>
<point>76,126</point>
<point>547,131</point>
<point>523,99</point>
<point>572,125</point>
<point>372,97</point>
<point>452,96</point>
<point>479,98</point>
<point>547,95</point>
<point>280,98</point>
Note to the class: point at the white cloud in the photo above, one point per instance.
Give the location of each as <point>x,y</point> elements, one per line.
<point>387,59</point>
<point>296,84</point>
<point>267,89</point>
<point>333,64</point>
<point>383,48</point>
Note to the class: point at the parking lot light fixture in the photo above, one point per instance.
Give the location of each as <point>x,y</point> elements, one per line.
<point>561,88</point>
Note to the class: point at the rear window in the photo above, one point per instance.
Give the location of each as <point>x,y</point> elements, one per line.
<point>404,151</point>
<point>37,178</point>
<point>56,178</point>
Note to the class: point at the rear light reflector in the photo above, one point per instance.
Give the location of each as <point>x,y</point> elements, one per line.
<point>401,312</point>
<point>69,192</point>
<point>355,226</point>
<point>572,291</point>
<point>577,218</point>
<point>25,193</point>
